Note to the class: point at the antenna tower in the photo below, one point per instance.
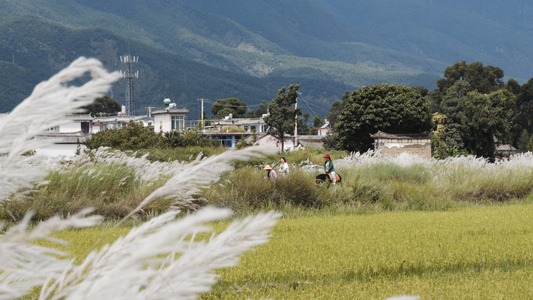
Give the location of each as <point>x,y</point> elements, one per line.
<point>129,60</point>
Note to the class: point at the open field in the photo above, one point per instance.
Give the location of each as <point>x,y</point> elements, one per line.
<point>454,228</point>
<point>483,253</point>
<point>465,253</point>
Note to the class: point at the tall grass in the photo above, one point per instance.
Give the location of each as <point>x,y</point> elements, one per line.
<point>373,183</point>
<point>115,182</point>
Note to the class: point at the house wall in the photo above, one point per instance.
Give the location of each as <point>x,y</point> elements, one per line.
<point>162,123</point>
<point>70,127</point>
<point>312,143</point>
<point>323,131</point>
<point>394,147</point>
<point>97,127</point>
<point>269,140</point>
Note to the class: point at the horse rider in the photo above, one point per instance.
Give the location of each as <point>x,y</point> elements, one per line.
<point>329,168</point>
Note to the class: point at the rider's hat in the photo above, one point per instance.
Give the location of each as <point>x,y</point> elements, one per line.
<point>268,167</point>
<point>327,156</point>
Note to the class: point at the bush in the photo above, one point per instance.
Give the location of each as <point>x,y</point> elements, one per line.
<point>184,154</point>
<point>188,138</point>
<point>249,188</point>
<point>133,136</point>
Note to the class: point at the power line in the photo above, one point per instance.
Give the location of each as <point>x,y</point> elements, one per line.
<point>307,103</point>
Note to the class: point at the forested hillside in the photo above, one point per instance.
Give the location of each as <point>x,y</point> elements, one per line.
<point>498,33</point>
<point>41,47</point>
<point>190,49</point>
<point>44,48</point>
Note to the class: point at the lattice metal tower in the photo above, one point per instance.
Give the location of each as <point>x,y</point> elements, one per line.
<point>129,60</point>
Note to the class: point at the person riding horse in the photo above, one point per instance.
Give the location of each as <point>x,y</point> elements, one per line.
<point>329,172</point>
<point>329,169</point>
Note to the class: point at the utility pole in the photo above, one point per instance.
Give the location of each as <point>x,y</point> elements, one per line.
<point>129,60</point>
<point>295,123</point>
<point>202,115</point>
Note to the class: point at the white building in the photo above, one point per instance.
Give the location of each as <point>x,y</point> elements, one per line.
<point>324,129</point>
<point>169,119</point>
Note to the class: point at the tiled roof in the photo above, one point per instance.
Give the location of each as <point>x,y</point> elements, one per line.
<point>384,135</point>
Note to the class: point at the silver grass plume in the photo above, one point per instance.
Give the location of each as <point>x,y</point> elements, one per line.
<point>46,107</point>
<point>134,267</point>
<point>187,180</point>
<point>24,264</point>
<point>161,259</point>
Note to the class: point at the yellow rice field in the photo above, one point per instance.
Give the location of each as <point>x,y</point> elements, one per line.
<point>469,253</point>
<point>472,253</point>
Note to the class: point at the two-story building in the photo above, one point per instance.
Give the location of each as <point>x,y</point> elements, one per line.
<point>169,119</point>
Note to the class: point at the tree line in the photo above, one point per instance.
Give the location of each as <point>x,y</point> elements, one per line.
<point>471,109</point>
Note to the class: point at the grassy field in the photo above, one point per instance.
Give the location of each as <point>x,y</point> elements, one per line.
<point>440,229</point>
<point>470,253</point>
<point>465,253</point>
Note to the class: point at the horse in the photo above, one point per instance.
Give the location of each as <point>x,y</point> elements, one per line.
<point>321,178</point>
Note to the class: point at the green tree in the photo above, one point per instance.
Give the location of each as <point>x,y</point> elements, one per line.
<point>484,79</point>
<point>317,123</point>
<point>446,140</point>
<point>262,109</point>
<point>524,107</point>
<point>479,107</point>
<point>513,86</point>
<point>133,136</point>
<point>251,113</point>
<point>303,124</point>
<point>482,117</point>
<point>336,109</point>
<point>523,141</point>
<point>187,138</point>
<point>224,107</point>
<point>282,113</point>
<point>105,106</point>
<point>389,108</point>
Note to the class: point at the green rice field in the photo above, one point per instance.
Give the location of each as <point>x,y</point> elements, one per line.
<point>467,253</point>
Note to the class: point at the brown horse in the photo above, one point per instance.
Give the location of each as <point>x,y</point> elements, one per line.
<point>321,178</point>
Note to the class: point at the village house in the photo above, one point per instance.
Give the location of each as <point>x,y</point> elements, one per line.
<point>270,140</point>
<point>169,119</point>
<point>394,144</point>
<point>315,140</point>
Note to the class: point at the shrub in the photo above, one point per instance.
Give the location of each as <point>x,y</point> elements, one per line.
<point>133,136</point>
<point>248,188</point>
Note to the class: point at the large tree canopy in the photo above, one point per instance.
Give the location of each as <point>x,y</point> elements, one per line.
<point>103,106</point>
<point>479,117</point>
<point>478,107</point>
<point>389,108</point>
<point>282,113</point>
<point>233,106</point>
<point>484,79</point>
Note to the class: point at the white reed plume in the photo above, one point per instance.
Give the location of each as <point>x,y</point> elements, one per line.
<point>24,264</point>
<point>161,259</point>
<point>188,179</point>
<point>45,108</point>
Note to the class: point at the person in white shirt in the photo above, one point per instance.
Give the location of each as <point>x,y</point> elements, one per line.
<point>284,167</point>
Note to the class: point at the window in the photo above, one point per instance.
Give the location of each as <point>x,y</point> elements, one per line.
<point>178,122</point>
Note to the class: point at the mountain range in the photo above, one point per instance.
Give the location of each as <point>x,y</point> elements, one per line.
<point>191,49</point>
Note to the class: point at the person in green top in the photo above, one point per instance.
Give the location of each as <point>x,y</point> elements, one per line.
<point>329,168</point>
